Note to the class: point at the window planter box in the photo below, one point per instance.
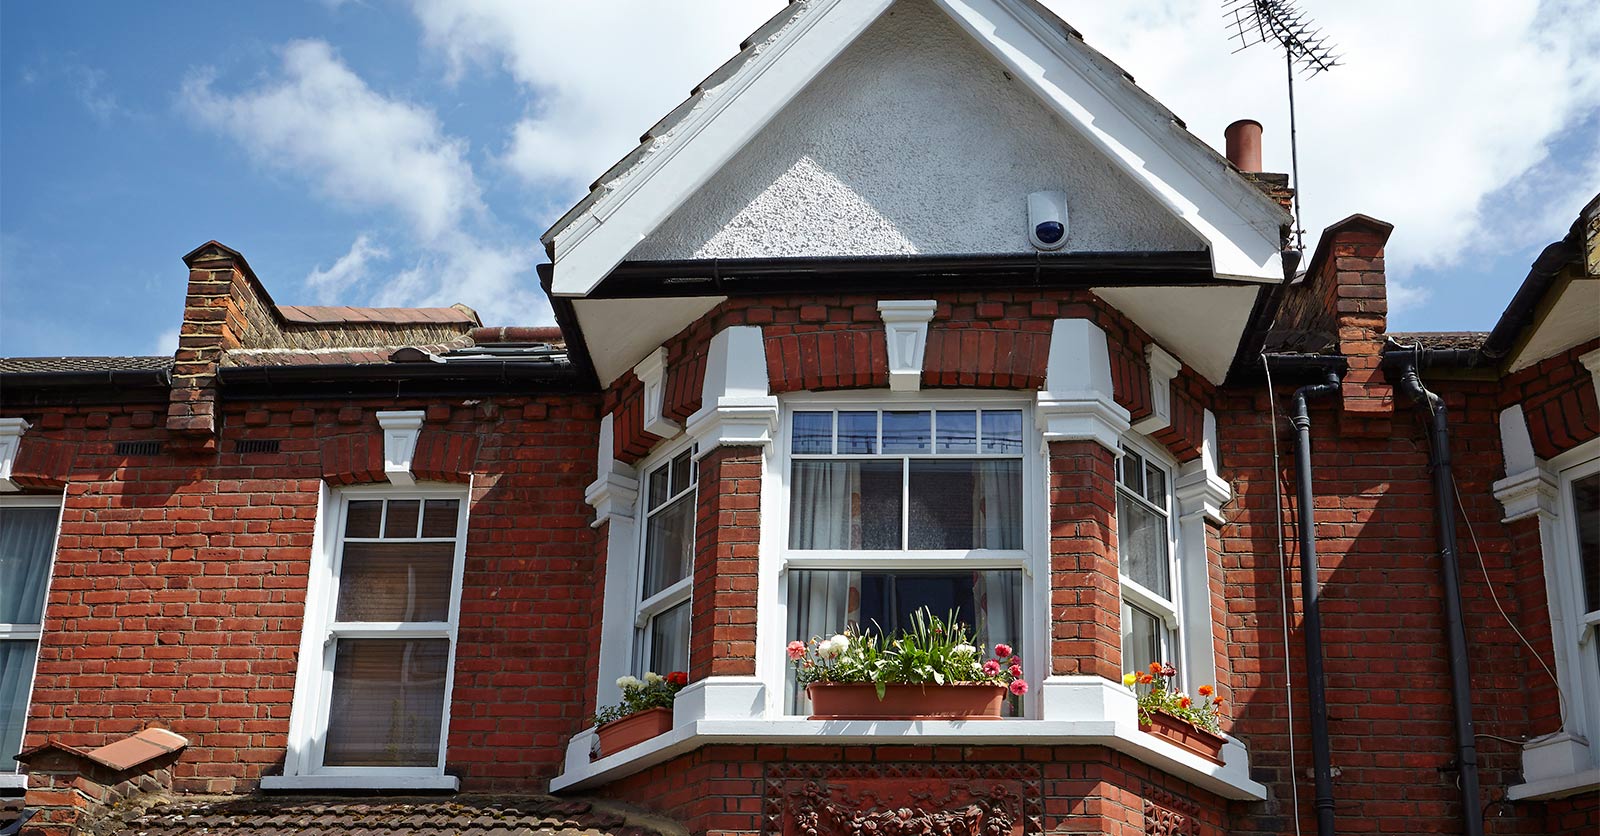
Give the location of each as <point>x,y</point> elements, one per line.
<point>859,701</point>
<point>633,729</point>
<point>1185,735</point>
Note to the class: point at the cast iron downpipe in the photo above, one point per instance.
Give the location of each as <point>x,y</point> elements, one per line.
<point>1433,410</point>
<point>1310,593</point>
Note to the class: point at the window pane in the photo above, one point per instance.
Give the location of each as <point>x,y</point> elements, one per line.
<point>439,517</point>
<point>16,674</point>
<point>1002,431</point>
<point>845,505</point>
<point>1142,545</point>
<point>669,641</point>
<point>1131,471</point>
<point>907,432</point>
<point>1155,485</point>
<point>858,432</point>
<point>362,518</point>
<point>958,432</point>
<point>401,521</point>
<point>669,545</point>
<point>396,581</point>
<point>682,471</point>
<point>966,504</point>
<point>1142,635</point>
<point>1586,505</point>
<point>659,485</point>
<point>27,538</point>
<point>813,432</point>
<point>387,707</point>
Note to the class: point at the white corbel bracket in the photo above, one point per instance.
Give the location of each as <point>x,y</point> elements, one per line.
<point>652,372</point>
<point>1200,488</point>
<point>11,430</point>
<point>736,407</point>
<point>616,485</point>
<point>1163,368</point>
<point>1591,361</point>
<point>400,431</point>
<point>1077,403</point>
<point>1529,488</point>
<point>905,323</point>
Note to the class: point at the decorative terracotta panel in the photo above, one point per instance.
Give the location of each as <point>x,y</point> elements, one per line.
<point>902,800</point>
<point>1166,814</point>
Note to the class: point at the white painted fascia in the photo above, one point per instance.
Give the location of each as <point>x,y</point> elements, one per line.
<point>727,119</point>
<point>1077,403</point>
<point>652,372</point>
<point>11,431</point>
<point>736,406</point>
<point>616,486</point>
<point>1240,223</point>
<point>905,324</point>
<point>1163,368</point>
<point>400,431</point>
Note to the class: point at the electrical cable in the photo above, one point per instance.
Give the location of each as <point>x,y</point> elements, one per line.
<point>1283,594</point>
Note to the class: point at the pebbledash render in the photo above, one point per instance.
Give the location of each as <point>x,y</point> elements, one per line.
<point>911,304</point>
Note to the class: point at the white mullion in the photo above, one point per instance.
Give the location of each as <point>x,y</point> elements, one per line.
<point>20,632</point>
<point>905,503</point>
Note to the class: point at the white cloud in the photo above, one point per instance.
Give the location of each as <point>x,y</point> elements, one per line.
<point>600,72</point>
<point>165,343</point>
<point>351,268</point>
<point>1405,297</point>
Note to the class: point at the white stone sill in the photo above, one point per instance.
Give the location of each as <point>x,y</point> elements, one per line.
<point>13,781</point>
<point>372,781</point>
<point>1560,786</point>
<point>1230,781</point>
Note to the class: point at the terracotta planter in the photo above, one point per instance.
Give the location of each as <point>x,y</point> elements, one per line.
<point>905,702</point>
<point>1185,735</point>
<point>633,729</point>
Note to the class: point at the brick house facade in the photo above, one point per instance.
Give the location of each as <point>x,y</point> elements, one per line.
<point>212,538</point>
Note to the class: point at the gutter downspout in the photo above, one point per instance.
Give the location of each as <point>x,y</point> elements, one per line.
<point>1437,421</point>
<point>1310,593</point>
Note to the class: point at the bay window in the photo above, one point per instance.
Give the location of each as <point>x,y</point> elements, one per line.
<point>27,544</point>
<point>661,638</point>
<point>1145,550</point>
<point>891,510</point>
<point>1580,497</point>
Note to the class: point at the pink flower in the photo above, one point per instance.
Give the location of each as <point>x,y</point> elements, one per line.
<point>796,650</point>
<point>1002,650</point>
<point>1019,687</point>
<point>991,668</point>
<point>1169,671</point>
<point>1016,671</point>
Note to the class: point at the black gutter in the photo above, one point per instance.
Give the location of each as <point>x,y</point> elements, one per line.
<point>110,386</point>
<point>1311,595</point>
<point>567,320</point>
<point>894,273</point>
<point>1525,304</point>
<point>399,380</point>
<point>1402,366</point>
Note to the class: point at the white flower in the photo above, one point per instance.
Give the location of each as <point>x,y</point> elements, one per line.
<point>964,650</point>
<point>628,683</point>
<point>977,668</point>
<point>834,647</point>
<point>652,678</point>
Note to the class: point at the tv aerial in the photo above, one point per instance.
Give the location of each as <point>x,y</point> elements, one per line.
<point>1281,24</point>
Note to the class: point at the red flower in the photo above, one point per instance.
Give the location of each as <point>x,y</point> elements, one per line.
<point>1019,687</point>
<point>1205,690</point>
<point>991,668</point>
<point>1016,671</point>
<point>1002,650</point>
<point>1168,670</point>
<point>678,678</point>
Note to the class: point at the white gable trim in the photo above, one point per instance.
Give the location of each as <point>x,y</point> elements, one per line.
<point>1239,223</point>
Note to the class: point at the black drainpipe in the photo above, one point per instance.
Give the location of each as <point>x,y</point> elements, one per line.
<point>1310,593</point>
<point>1403,366</point>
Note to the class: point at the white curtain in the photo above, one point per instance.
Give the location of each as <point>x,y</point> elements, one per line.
<point>997,505</point>
<point>821,603</point>
<point>999,597</point>
<point>16,674</point>
<point>825,501</point>
<point>26,536</point>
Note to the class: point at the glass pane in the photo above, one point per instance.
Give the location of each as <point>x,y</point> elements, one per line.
<point>27,539</point>
<point>659,485</point>
<point>395,582</point>
<point>845,505</point>
<point>682,471</point>
<point>966,504</point>
<point>362,518</point>
<point>1155,484</point>
<point>16,675</point>
<point>669,545</point>
<point>958,432</point>
<point>824,602</point>
<point>813,432</point>
<point>402,519</point>
<point>1141,640</point>
<point>907,432</point>
<point>858,432</point>
<point>1142,545</point>
<point>1131,471</point>
<point>669,641</point>
<point>387,707</point>
<point>439,517</point>
<point>1002,431</point>
<point>1586,506</point>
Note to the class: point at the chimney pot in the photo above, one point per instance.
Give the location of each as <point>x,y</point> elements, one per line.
<point>1244,144</point>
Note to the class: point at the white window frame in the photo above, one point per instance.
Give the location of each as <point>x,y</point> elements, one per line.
<point>681,592</point>
<point>1171,612</point>
<point>1032,559</point>
<point>1582,633</point>
<point>308,726</point>
<point>10,775</point>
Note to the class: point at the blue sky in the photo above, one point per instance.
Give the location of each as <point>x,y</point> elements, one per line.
<point>387,152</point>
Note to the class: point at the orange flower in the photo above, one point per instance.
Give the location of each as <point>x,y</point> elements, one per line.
<point>1218,703</point>
<point>1146,679</point>
<point>1155,667</point>
<point>1184,702</point>
<point>1205,690</point>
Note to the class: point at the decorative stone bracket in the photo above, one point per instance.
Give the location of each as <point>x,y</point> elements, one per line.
<point>736,407</point>
<point>11,431</point>
<point>1163,368</point>
<point>1077,403</point>
<point>400,431</point>
<point>652,372</point>
<point>905,322</point>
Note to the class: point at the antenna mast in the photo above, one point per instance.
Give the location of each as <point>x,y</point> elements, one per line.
<point>1280,23</point>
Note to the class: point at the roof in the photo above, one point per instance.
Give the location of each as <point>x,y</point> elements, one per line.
<point>399,816</point>
<point>1471,340</point>
<point>339,315</point>
<point>47,365</point>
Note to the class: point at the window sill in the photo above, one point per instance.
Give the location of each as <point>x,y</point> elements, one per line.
<point>13,781</point>
<point>371,781</point>
<point>1559,786</point>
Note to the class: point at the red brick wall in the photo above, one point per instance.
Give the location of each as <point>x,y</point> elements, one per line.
<point>180,579</point>
<point>1558,401</point>
<point>1085,592</point>
<point>722,640</point>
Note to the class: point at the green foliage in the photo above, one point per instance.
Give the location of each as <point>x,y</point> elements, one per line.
<point>934,651</point>
<point>1158,691</point>
<point>641,695</point>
